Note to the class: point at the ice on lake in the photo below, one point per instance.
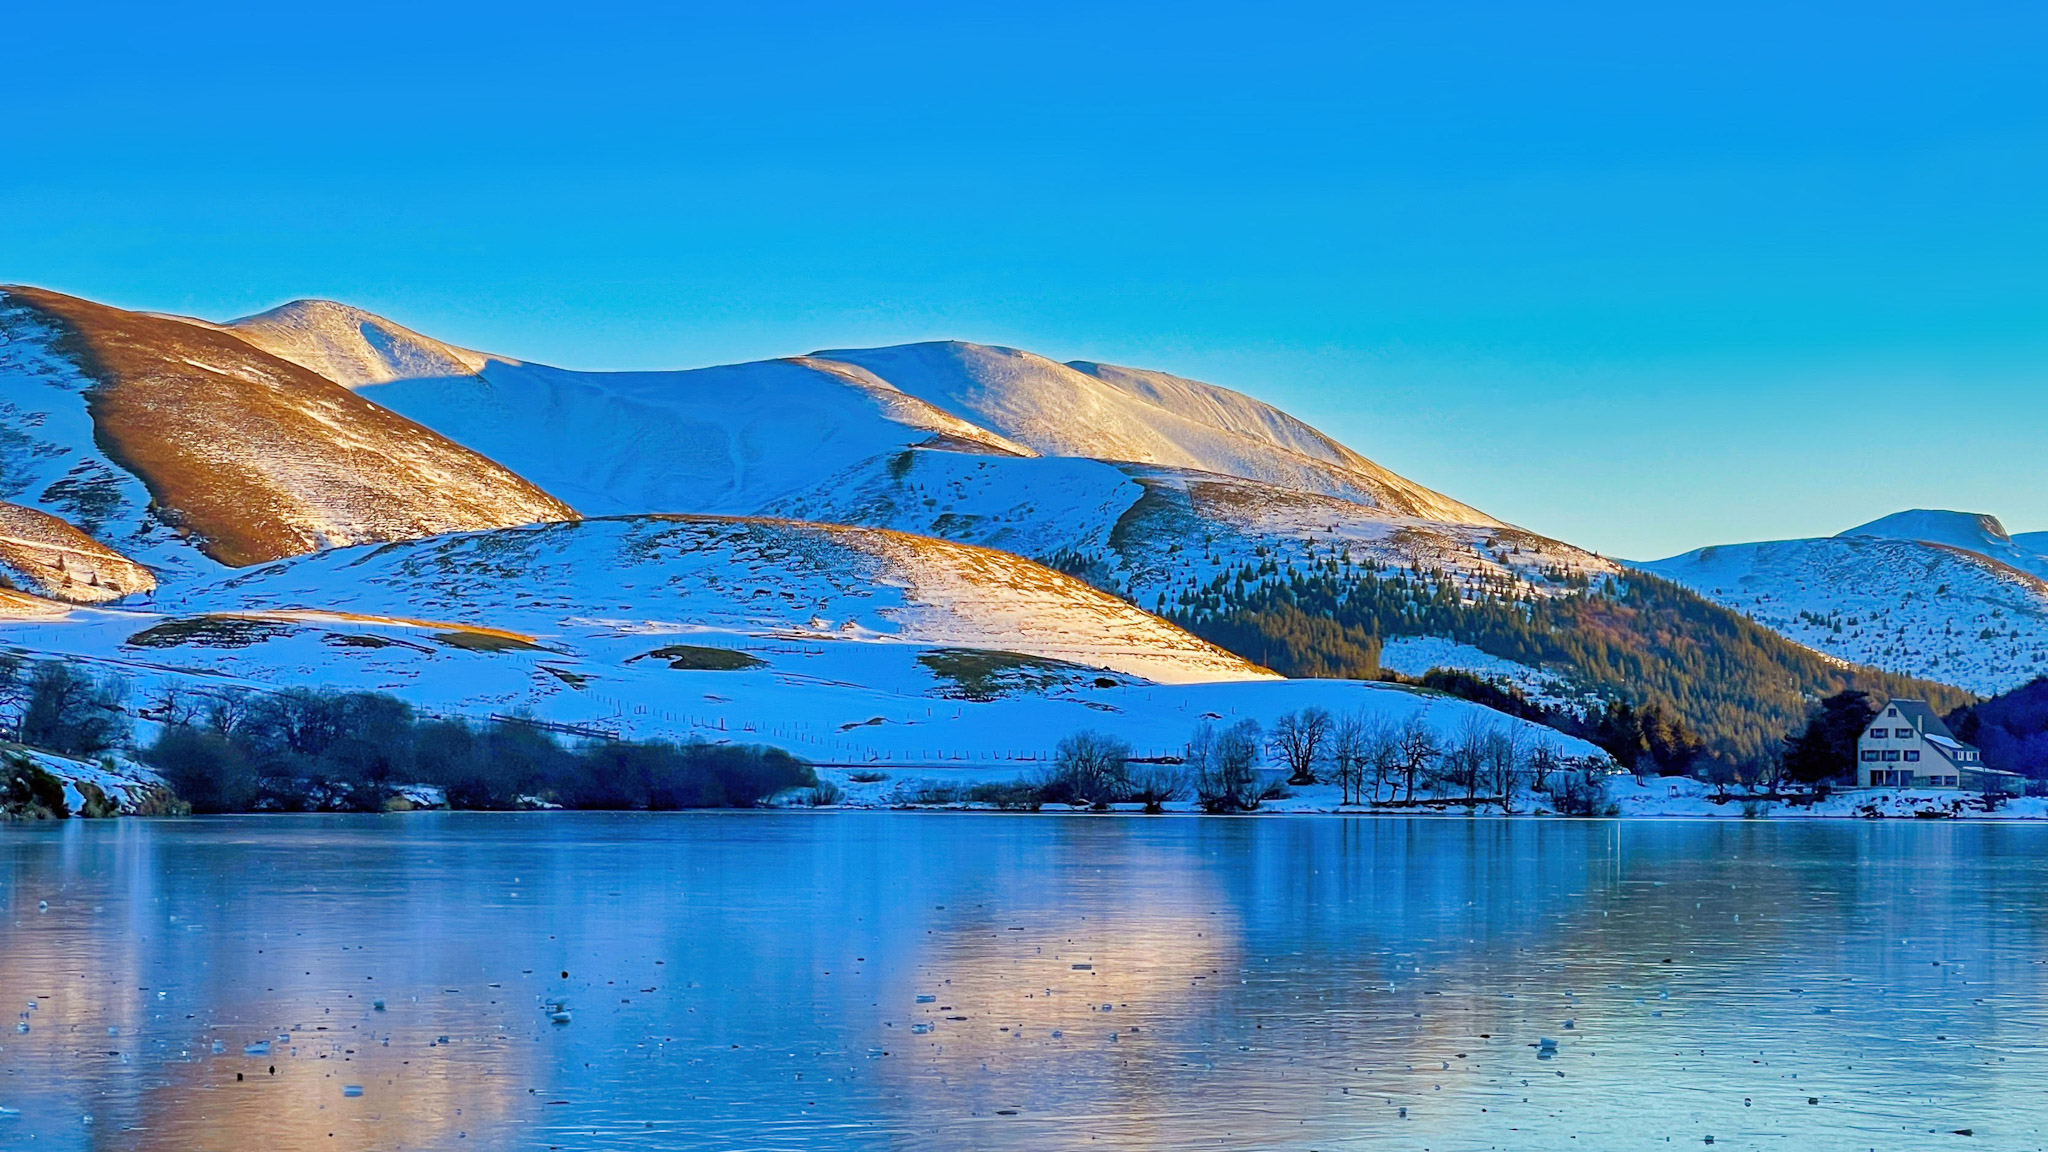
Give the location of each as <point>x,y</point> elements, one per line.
<point>941,981</point>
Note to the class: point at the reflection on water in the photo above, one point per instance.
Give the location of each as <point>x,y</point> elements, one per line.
<point>954,981</point>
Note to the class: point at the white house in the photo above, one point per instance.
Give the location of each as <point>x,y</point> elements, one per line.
<point>1908,746</point>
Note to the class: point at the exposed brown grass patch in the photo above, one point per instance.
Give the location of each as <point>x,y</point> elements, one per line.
<point>260,458</point>
<point>58,561</point>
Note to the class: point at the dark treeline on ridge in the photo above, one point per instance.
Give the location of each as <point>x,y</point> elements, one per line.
<point>1683,678</point>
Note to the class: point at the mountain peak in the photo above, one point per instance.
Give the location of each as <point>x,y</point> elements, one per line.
<point>349,346</point>
<point>1972,530</point>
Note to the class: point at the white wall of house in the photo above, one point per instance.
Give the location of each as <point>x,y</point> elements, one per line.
<point>1894,751</point>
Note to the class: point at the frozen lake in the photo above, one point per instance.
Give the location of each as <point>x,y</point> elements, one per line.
<point>949,981</point>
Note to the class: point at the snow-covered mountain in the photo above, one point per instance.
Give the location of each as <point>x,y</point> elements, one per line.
<point>1945,596</point>
<point>349,346</point>
<point>1148,482</point>
<point>318,496</point>
<point>156,435</point>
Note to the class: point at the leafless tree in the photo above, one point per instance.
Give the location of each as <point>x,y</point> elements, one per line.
<point>1418,747</point>
<point>1156,785</point>
<point>1383,757</point>
<point>1500,764</point>
<point>1543,762</point>
<point>1575,789</point>
<point>1463,759</point>
<point>1223,767</point>
<point>1298,740</point>
<point>1350,751</point>
<point>1089,769</point>
<point>227,711</point>
<point>174,704</point>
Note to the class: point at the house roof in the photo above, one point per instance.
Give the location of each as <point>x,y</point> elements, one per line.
<point>1923,718</point>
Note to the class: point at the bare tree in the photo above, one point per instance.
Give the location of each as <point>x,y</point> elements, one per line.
<point>1418,746</point>
<point>174,704</point>
<point>1350,743</point>
<point>1298,740</point>
<point>227,711</point>
<point>1223,767</point>
<point>1384,756</point>
<point>1462,760</point>
<point>1543,761</point>
<point>13,693</point>
<point>1156,785</point>
<point>72,712</point>
<point>1575,790</point>
<point>1500,764</point>
<point>1089,769</point>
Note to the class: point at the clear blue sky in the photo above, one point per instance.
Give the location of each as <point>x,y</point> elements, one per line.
<point>1641,276</point>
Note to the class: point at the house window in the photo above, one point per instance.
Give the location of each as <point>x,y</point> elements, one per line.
<point>1891,754</point>
<point>1912,753</point>
<point>1870,755</point>
<point>1891,711</point>
<point>1879,733</point>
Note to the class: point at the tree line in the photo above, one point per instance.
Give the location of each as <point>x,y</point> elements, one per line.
<point>304,749</point>
<point>1372,758</point>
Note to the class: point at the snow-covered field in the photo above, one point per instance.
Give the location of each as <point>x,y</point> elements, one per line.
<point>1928,608</point>
<point>842,645</point>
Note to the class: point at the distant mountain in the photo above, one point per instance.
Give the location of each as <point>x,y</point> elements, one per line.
<point>1945,596</point>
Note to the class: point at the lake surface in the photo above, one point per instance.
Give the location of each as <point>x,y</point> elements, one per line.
<point>947,981</point>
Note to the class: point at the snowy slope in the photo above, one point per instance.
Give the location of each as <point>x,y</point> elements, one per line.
<point>980,445</point>
<point>727,440</point>
<point>118,786</point>
<point>618,581</point>
<point>844,645</point>
<point>1928,609</point>
<point>1121,414</point>
<point>253,456</point>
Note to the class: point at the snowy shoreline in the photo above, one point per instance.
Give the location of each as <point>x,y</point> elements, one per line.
<point>1625,798</point>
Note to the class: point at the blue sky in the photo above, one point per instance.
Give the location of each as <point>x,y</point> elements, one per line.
<point>1643,277</point>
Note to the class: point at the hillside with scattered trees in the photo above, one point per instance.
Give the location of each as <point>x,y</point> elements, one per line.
<point>1674,670</point>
